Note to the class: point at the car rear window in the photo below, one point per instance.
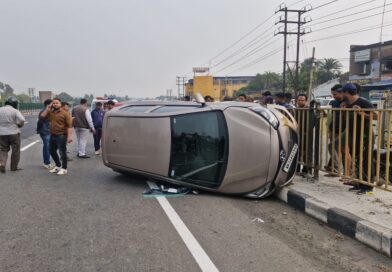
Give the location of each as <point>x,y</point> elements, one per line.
<point>199,148</point>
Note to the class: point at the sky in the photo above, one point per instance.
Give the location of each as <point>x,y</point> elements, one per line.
<point>137,48</point>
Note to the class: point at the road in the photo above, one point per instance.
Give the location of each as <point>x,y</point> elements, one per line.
<point>94,219</point>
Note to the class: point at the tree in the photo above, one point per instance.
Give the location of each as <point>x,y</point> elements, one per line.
<point>6,90</point>
<point>329,68</point>
<point>267,81</point>
<point>23,98</point>
<point>63,96</point>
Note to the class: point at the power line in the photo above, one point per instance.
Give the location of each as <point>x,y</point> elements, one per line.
<point>264,57</point>
<point>326,4</point>
<point>343,10</point>
<point>242,38</point>
<point>260,48</point>
<point>351,21</point>
<point>248,45</point>
<point>350,33</point>
<point>382,21</point>
<point>345,16</point>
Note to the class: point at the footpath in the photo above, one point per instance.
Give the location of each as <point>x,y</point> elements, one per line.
<point>366,218</point>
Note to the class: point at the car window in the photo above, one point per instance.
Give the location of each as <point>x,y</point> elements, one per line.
<point>137,108</point>
<point>174,108</point>
<point>199,148</point>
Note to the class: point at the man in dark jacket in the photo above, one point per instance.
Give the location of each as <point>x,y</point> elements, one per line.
<point>97,116</point>
<point>43,129</point>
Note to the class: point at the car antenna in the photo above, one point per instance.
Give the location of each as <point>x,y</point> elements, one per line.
<point>200,100</point>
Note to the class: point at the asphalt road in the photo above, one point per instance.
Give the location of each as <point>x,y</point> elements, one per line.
<point>94,219</point>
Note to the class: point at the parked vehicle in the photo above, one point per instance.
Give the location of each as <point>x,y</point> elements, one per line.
<point>229,147</point>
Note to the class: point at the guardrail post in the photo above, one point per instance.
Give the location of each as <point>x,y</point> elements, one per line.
<point>309,135</point>
<point>316,152</point>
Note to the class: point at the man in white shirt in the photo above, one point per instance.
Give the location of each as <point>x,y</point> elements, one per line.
<point>11,120</point>
<point>83,124</point>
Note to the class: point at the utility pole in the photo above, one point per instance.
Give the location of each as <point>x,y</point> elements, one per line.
<point>180,82</point>
<point>311,74</point>
<point>298,32</point>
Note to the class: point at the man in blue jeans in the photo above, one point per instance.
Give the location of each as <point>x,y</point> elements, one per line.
<point>97,116</point>
<point>60,134</point>
<point>43,129</point>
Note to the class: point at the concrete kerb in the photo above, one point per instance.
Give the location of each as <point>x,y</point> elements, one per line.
<point>366,232</point>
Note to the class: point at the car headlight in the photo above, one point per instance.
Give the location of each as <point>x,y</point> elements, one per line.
<point>267,115</point>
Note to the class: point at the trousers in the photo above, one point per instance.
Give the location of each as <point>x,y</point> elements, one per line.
<point>8,142</point>
<point>81,138</point>
<point>59,143</point>
<point>45,149</point>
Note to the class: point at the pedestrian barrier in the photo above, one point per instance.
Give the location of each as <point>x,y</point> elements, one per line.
<point>28,108</point>
<point>354,144</point>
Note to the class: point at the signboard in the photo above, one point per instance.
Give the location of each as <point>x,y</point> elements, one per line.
<point>378,94</point>
<point>363,55</point>
<point>201,70</point>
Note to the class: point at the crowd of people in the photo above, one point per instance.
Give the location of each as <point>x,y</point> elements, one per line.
<point>55,125</point>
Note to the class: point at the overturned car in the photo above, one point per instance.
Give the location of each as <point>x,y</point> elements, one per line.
<point>229,147</point>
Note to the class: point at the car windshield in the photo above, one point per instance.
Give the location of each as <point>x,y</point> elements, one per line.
<point>199,148</point>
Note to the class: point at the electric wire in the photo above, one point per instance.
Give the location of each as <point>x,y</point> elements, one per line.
<point>351,21</point>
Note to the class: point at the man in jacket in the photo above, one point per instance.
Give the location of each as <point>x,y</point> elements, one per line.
<point>97,116</point>
<point>11,120</point>
<point>43,129</point>
<point>83,124</point>
<point>60,134</point>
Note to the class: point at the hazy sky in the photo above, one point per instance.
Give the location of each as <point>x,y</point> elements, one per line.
<point>139,47</point>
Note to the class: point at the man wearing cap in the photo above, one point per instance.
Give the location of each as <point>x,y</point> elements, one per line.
<point>11,120</point>
<point>351,96</point>
<point>337,94</point>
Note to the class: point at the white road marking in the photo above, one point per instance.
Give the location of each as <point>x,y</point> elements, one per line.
<point>29,145</point>
<point>190,241</point>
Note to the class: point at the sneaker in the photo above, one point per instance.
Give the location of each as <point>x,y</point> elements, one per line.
<point>62,172</point>
<point>2,168</point>
<point>97,152</point>
<point>55,170</point>
<point>48,166</point>
<point>84,157</point>
<point>364,190</point>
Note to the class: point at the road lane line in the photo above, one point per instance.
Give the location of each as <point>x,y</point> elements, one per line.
<point>190,241</point>
<point>29,145</point>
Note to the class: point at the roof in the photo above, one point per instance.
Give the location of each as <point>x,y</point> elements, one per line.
<point>354,48</point>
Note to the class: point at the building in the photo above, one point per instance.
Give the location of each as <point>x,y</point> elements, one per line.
<point>45,95</point>
<point>216,87</point>
<point>371,67</point>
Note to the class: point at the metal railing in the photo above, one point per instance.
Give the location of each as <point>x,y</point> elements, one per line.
<point>354,144</point>
<point>28,108</point>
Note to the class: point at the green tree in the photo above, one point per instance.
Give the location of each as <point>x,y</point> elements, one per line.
<point>65,97</point>
<point>23,98</point>
<point>329,68</point>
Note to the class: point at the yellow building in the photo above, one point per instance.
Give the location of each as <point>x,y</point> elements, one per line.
<point>216,87</point>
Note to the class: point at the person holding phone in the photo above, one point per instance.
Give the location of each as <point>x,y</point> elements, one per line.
<point>60,134</point>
